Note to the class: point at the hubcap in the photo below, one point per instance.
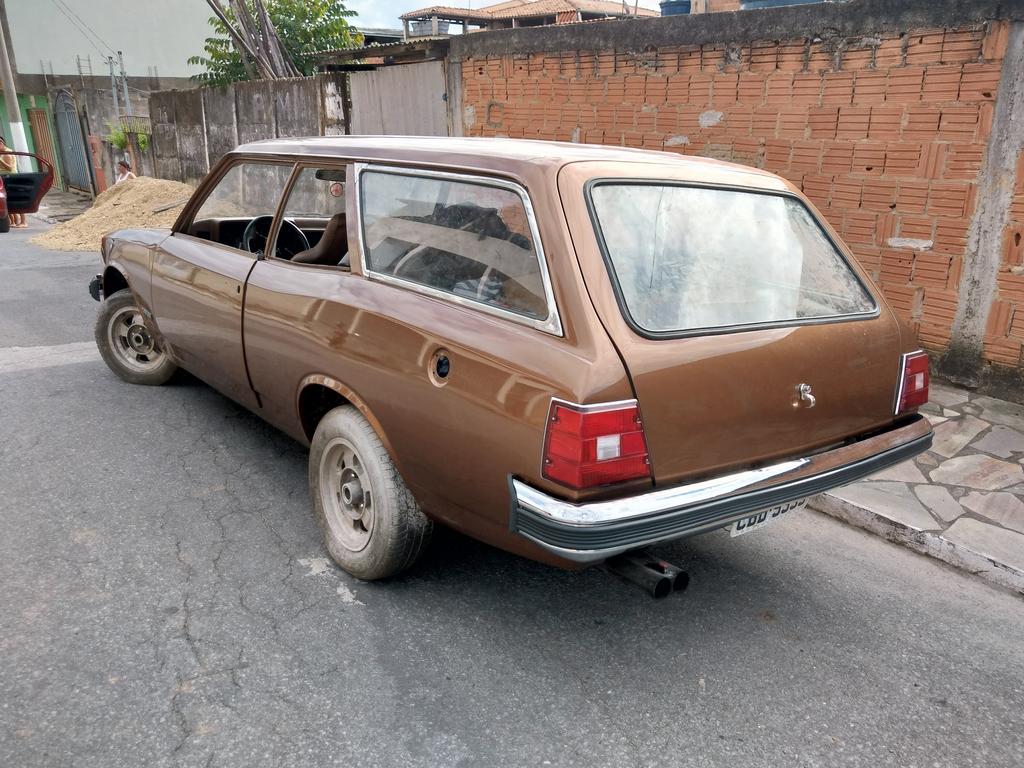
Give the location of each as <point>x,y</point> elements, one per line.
<point>345,491</point>
<point>131,340</point>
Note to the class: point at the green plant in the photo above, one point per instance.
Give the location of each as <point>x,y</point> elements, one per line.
<point>117,137</point>
<point>304,27</point>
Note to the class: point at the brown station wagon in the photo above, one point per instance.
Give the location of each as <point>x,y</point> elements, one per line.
<point>566,351</point>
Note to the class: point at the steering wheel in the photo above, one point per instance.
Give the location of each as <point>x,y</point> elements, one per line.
<point>290,239</point>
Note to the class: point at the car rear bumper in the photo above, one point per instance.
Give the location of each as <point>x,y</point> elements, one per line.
<point>593,531</point>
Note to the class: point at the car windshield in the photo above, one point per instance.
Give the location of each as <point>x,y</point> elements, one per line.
<point>687,258</point>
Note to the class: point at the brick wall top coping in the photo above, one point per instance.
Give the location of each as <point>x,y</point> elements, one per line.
<point>858,17</point>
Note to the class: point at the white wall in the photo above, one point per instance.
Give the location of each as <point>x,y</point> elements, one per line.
<point>151,33</point>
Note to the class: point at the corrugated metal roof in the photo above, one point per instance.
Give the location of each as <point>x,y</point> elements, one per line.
<point>447,11</point>
<point>514,9</point>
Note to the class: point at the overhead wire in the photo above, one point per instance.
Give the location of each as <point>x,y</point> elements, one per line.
<point>87,32</point>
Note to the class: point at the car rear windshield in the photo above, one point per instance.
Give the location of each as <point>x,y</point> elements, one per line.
<point>687,258</point>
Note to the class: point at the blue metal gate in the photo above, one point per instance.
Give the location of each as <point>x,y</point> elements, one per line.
<point>74,159</point>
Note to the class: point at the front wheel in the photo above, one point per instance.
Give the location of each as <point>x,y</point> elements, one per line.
<point>126,344</point>
<point>371,523</point>
<point>5,224</point>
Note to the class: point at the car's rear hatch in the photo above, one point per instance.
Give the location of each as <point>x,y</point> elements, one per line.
<point>747,331</point>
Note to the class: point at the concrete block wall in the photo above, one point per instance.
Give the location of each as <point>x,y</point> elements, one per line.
<point>193,129</point>
<point>882,113</point>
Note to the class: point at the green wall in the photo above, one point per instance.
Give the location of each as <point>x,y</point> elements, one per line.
<point>26,103</point>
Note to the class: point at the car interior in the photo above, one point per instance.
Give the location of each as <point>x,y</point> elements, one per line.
<point>463,249</point>
<point>301,240</point>
<point>25,190</point>
<point>306,238</point>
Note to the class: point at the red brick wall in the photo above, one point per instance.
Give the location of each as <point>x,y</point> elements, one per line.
<point>885,134</point>
<point>722,5</point>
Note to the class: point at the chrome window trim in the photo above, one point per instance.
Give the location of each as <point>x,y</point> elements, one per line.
<point>551,324</point>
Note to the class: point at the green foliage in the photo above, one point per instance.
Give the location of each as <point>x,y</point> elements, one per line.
<point>304,26</point>
<point>117,137</point>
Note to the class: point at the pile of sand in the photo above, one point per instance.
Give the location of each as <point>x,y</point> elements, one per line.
<point>137,203</point>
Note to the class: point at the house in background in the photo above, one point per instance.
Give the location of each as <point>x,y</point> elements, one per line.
<point>437,20</point>
<point>672,7</point>
<point>60,53</point>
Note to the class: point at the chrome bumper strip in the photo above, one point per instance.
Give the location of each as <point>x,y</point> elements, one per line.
<point>594,531</point>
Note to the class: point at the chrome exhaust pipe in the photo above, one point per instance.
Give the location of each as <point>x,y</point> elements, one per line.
<point>656,576</point>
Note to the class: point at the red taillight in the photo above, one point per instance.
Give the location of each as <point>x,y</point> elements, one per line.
<point>914,378</point>
<point>588,445</point>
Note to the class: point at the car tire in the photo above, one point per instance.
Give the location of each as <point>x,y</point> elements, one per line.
<point>5,225</point>
<point>371,523</point>
<point>127,346</point>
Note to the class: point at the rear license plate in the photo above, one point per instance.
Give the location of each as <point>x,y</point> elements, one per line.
<point>765,516</point>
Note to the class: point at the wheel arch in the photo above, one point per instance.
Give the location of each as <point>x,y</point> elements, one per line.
<point>114,280</point>
<point>319,393</point>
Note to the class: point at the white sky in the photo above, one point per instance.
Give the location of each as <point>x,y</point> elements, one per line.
<point>385,13</point>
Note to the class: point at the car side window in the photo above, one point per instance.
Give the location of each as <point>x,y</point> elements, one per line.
<point>245,198</point>
<point>316,207</point>
<point>465,238</point>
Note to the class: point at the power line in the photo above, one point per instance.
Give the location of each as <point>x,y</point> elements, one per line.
<point>83,22</point>
<point>89,35</point>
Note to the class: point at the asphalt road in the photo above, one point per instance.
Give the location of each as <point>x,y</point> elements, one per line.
<point>166,601</point>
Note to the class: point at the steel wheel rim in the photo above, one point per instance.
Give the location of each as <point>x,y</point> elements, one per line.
<point>346,494</point>
<point>132,342</point>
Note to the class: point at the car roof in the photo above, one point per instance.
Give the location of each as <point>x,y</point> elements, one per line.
<point>481,152</point>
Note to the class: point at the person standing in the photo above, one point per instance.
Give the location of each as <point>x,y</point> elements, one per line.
<point>9,164</point>
<point>124,171</point>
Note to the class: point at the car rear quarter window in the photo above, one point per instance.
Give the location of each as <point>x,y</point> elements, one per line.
<point>688,258</point>
<point>463,238</point>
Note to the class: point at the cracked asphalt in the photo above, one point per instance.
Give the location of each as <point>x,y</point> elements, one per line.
<point>166,601</point>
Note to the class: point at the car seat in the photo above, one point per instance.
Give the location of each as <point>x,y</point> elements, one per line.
<point>331,249</point>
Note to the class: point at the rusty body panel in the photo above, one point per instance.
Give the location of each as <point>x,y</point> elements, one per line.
<point>261,330</point>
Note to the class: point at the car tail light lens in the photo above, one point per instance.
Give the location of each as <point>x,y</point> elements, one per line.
<point>914,379</point>
<point>589,445</point>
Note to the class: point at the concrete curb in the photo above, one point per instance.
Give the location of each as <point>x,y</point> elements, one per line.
<point>925,542</point>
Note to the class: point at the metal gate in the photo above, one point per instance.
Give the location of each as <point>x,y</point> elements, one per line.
<point>74,160</point>
<point>403,100</point>
<point>42,138</point>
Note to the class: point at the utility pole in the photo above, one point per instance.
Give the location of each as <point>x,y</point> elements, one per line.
<point>124,83</point>
<point>113,85</point>
<point>19,142</point>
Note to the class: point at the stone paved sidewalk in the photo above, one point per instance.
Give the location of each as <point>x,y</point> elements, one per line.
<point>962,501</point>
<point>58,205</point>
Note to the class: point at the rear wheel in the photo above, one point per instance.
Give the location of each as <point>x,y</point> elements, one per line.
<point>370,521</point>
<point>5,224</point>
<point>126,344</point>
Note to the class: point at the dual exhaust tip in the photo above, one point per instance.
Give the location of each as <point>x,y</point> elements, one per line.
<point>652,574</point>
